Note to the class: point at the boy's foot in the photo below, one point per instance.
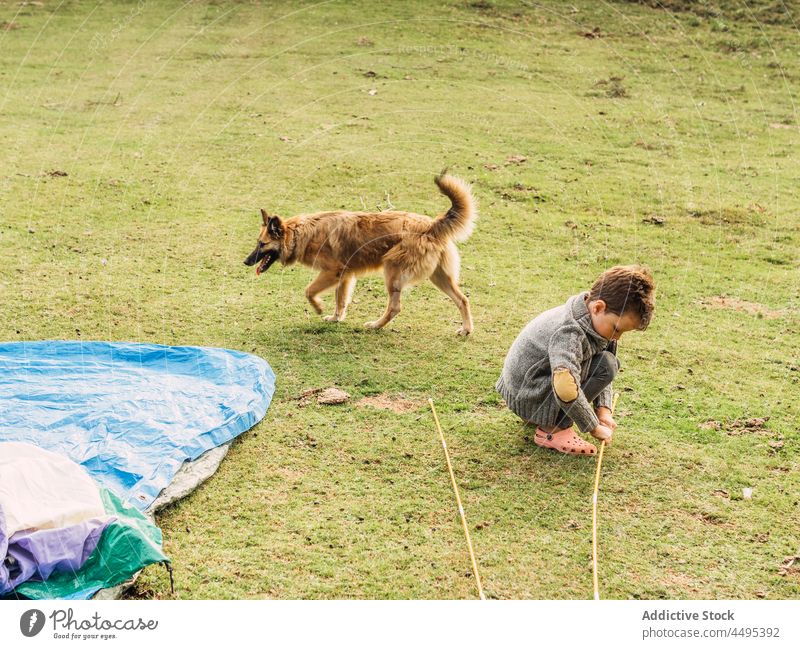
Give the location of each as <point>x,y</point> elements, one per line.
<point>564,441</point>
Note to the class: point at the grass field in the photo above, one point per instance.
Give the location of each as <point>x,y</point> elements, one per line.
<point>140,139</point>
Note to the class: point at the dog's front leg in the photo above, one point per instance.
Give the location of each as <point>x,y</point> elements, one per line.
<point>344,293</point>
<point>324,281</point>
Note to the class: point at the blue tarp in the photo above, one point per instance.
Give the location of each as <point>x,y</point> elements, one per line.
<point>130,413</point>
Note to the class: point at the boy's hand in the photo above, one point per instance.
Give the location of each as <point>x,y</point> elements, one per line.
<point>603,433</point>
<point>604,415</point>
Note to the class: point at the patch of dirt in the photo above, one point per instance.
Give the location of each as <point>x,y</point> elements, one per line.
<point>713,519</point>
<point>363,41</point>
<point>290,475</point>
<point>732,46</point>
<point>516,159</point>
<point>117,101</point>
<point>650,146</point>
<point>7,26</point>
<point>613,87</point>
<point>521,192</point>
<point>396,404</point>
<point>790,566</point>
<point>735,304</point>
<point>654,219</point>
<point>738,426</point>
<point>323,396</point>
<point>728,215</point>
<point>591,34</point>
<point>753,11</point>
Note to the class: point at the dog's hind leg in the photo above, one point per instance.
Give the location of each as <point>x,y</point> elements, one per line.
<point>445,278</point>
<point>344,293</point>
<point>325,280</point>
<point>394,286</point>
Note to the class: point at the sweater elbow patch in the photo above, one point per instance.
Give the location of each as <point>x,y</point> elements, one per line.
<point>564,385</point>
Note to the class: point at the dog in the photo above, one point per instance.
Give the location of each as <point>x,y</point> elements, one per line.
<point>341,245</point>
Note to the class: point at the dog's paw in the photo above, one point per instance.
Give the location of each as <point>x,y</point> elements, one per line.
<point>332,318</point>
<point>375,324</point>
<point>461,331</point>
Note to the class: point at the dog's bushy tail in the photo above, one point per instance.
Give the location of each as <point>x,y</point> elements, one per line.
<point>456,224</point>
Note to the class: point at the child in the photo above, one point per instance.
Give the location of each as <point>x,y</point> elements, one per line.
<point>560,368</point>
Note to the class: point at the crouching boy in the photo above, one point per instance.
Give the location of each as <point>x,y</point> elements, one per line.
<point>560,368</point>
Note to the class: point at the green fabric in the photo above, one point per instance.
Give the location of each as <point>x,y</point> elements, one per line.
<point>127,545</point>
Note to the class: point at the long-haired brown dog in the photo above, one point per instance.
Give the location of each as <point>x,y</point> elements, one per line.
<point>343,245</point>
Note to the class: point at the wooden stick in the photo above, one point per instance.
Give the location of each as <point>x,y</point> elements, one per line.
<point>594,507</point>
<point>458,500</point>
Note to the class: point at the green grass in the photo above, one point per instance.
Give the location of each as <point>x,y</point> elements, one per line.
<point>176,122</point>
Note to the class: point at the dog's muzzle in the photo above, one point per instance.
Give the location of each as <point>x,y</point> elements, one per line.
<point>267,258</point>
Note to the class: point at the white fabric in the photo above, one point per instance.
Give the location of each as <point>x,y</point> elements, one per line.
<point>41,490</point>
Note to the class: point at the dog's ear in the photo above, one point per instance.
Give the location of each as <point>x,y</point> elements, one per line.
<point>264,216</point>
<point>275,227</point>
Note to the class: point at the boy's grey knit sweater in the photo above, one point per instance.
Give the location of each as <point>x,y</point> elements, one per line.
<point>562,337</point>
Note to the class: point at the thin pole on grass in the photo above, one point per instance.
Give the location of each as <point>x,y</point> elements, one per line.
<point>458,500</point>
<point>594,507</point>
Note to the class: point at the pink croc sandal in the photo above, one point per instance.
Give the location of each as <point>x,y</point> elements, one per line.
<point>564,441</point>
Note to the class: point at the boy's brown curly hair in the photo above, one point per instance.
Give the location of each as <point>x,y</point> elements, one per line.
<point>626,289</point>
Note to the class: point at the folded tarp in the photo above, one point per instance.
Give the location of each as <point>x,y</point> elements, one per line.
<point>128,543</point>
<point>61,536</point>
<point>40,490</point>
<point>129,413</point>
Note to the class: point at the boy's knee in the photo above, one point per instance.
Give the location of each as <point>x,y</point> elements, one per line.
<point>608,364</point>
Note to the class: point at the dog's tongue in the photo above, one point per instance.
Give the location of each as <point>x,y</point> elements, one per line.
<point>258,270</point>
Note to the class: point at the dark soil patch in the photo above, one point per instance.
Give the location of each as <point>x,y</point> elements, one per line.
<point>727,215</point>
<point>743,306</point>
<point>790,566</point>
<point>738,426</point>
<point>612,88</point>
<point>396,404</point>
<point>773,12</point>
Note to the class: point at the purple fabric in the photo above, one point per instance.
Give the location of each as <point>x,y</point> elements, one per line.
<point>39,553</point>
